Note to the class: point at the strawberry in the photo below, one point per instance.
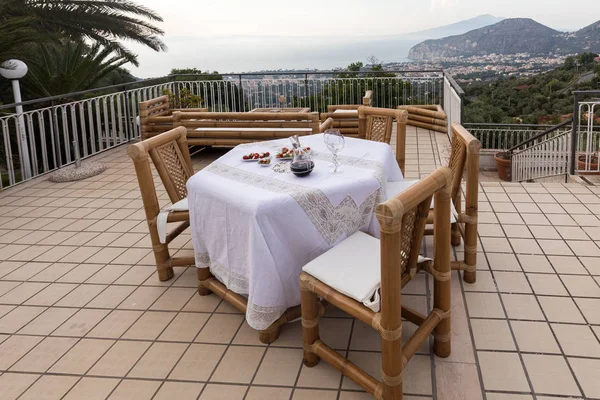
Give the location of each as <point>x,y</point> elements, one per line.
<point>245,158</point>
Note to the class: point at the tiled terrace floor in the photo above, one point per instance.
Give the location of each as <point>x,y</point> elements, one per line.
<point>83,316</point>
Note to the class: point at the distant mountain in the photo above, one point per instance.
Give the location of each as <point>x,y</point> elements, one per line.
<point>456,28</point>
<point>510,36</point>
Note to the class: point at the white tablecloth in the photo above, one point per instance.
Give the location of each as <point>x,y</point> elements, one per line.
<point>256,228</point>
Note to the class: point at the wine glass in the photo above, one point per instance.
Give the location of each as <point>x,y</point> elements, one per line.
<point>335,143</point>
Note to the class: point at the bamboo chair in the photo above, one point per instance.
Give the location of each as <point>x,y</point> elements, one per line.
<point>376,124</point>
<point>464,163</point>
<point>347,274</point>
<point>171,158</point>
<point>347,122</point>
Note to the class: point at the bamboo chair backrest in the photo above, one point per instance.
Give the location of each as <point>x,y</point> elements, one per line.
<point>463,145</point>
<point>402,221</point>
<point>155,107</point>
<point>368,98</point>
<point>376,123</point>
<point>171,157</point>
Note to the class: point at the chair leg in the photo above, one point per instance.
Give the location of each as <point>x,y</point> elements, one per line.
<point>162,257</point>
<point>441,302</point>
<point>470,274</point>
<point>455,235</point>
<point>392,366</point>
<point>203,274</point>
<point>310,325</point>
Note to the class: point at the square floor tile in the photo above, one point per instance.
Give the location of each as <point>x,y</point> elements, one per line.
<point>512,282</point>
<point>13,385</point>
<point>495,245</point>
<point>525,246</point>
<point>484,305</point>
<point>92,389</point>
<point>544,232</point>
<point>49,387</point>
<point>550,375</point>
<point>560,309</point>
<point>198,362</point>
<point>179,391</point>
<point>220,328</point>
<point>158,361</point>
<point>275,393</point>
<point>225,392</point>
<point>584,248</point>
<point>238,364</point>
<point>115,324</point>
<point>567,265</point>
<point>81,323</point>
<point>547,284</point>
<point>15,347</point>
<point>184,327</point>
<point>555,247</point>
<point>48,321</point>
<point>492,334</point>
<point>120,358</point>
<point>577,340</point>
<point>535,263</point>
<point>82,356</point>
<point>581,285</point>
<point>519,306</point>
<point>46,353</point>
<point>534,337</point>
<point>149,325</point>
<point>502,371</point>
<point>586,371</point>
<point>589,308</point>
<point>174,299</point>
<point>279,367</point>
<point>503,262</point>
<point>135,389</point>
<point>142,298</point>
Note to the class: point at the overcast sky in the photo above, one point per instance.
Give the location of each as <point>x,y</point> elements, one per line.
<point>198,33</point>
<point>354,17</point>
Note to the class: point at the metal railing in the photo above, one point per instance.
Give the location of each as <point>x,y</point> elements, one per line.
<point>586,126</point>
<point>546,154</point>
<point>547,158</point>
<point>453,101</point>
<point>100,119</point>
<point>502,137</point>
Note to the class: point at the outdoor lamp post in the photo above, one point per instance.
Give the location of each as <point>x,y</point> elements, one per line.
<point>15,70</point>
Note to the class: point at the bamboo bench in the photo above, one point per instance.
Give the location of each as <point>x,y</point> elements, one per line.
<point>233,128</point>
<point>345,116</point>
<point>156,116</point>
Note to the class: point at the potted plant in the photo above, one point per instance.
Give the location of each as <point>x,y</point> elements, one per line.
<point>585,164</point>
<point>502,159</point>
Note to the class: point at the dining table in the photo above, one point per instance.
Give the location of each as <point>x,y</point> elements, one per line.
<point>256,226</point>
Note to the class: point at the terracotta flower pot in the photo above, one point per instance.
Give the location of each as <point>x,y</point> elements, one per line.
<point>591,165</point>
<point>503,166</point>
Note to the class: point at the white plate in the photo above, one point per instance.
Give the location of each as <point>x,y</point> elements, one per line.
<point>255,160</point>
<point>284,159</point>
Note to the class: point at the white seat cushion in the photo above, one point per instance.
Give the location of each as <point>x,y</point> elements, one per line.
<point>353,268</point>
<point>161,219</point>
<point>392,189</point>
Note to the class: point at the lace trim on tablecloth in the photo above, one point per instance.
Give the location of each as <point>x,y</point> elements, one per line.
<point>259,317</point>
<point>234,282</point>
<point>331,221</point>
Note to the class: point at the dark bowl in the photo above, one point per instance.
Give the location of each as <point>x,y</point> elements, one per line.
<point>302,169</point>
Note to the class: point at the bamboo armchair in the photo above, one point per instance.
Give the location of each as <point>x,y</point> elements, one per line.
<point>464,163</point>
<point>342,272</point>
<point>377,123</point>
<point>156,116</point>
<point>346,119</point>
<point>171,157</point>
<point>432,117</point>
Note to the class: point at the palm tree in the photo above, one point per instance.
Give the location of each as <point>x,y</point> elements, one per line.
<point>69,67</point>
<point>105,22</point>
